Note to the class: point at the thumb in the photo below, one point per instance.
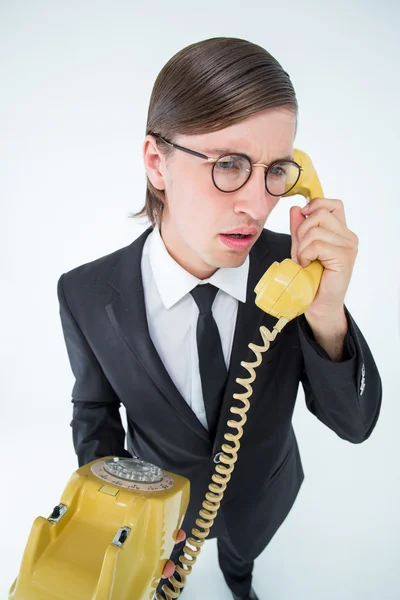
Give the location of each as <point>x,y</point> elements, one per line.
<point>296,219</point>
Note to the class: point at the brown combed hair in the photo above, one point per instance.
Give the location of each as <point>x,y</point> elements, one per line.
<point>208,86</point>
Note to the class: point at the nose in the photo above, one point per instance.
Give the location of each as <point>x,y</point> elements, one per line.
<point>253,198</point>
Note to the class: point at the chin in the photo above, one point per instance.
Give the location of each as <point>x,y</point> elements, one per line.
<point>232,260</point>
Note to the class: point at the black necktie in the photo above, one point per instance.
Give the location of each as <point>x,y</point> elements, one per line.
<point>213,372</point>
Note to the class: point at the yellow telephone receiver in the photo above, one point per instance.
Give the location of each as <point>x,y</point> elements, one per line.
<point>116,523</point>
<point>287,289</point>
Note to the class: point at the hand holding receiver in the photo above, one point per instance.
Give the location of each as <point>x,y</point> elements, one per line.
<point>286,289</point>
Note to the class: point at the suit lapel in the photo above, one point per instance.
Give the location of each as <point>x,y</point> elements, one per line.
<point>127,314</point>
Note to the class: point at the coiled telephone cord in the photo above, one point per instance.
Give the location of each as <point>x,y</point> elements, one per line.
<point>213,498</point>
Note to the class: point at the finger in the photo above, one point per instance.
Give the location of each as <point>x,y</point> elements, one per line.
<point>323,218</point>
<point>169,569</point>
<point>336,207</point>
<point>296,219</point>
<point>321,234</point>
<point>181,536</point>
<point>331,256</point>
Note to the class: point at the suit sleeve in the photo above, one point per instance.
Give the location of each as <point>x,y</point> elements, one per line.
<point>97,429</point>
<point>346,396</point>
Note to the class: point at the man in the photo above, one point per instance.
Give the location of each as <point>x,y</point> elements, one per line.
<point>220,133</point>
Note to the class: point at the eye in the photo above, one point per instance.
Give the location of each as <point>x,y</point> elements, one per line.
<point>225,164</point>
<point>230,163</point>
<point>278,170</point>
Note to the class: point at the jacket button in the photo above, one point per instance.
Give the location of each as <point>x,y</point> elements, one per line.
<point>217,457</point>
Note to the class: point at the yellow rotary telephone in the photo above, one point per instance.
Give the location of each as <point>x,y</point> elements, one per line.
<point>116,523</point>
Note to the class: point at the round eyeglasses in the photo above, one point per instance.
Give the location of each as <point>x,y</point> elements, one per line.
<point>230,172</point>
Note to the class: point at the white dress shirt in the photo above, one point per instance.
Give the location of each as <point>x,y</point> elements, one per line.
<point>172,315</point>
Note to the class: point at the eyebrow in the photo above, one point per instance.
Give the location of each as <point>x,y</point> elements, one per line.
<point>219,151</point>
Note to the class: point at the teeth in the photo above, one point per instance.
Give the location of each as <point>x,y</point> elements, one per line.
<point>237,235</point>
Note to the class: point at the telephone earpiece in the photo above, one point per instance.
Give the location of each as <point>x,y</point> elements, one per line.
<point>286,289</point>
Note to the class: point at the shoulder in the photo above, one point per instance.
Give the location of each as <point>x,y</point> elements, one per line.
<point>93,277</point>
<point>94,272</point>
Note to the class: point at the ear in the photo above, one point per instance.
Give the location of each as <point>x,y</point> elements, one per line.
<point>153,162</point>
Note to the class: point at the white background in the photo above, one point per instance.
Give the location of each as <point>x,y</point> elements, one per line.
<point>76,79</point>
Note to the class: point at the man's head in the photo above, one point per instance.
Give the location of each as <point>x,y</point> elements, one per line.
<point>222,94</point>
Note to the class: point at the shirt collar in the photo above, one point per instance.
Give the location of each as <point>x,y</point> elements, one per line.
<point>165,270</point>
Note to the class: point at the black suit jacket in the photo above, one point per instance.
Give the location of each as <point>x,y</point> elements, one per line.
<point>114,361</point>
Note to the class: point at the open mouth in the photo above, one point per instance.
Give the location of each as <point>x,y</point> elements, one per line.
<point>237,235</point>
<point>238,241</point>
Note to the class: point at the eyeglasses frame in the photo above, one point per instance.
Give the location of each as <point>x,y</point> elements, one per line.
<point>215,160</point>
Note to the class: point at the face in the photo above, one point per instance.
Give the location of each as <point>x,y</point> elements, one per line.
<point>196,213</point>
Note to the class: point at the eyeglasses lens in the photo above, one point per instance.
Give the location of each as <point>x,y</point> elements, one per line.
<point>232,171</point>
